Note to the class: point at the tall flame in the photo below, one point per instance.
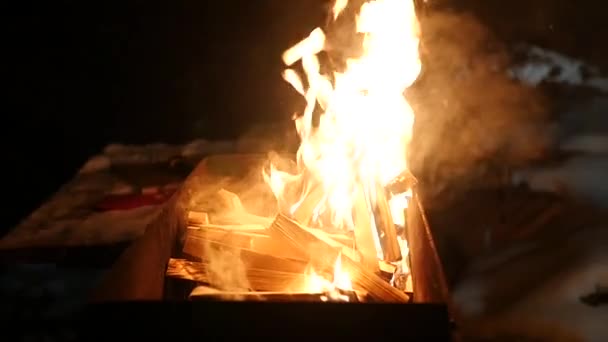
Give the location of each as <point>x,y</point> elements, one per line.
<point>362,135</point>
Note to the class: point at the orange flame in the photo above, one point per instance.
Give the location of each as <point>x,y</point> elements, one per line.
<point>341,281</point>
<point>366,125</point>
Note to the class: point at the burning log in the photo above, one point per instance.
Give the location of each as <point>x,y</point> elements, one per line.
<point>402,183</point>
<point>305,211</point>
<point>387,233</point>
<point>264,277</point>
<point>199,239</point>
<point>326,251</point>
<point>240,218</point>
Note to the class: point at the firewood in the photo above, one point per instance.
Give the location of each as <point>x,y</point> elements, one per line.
<point>402,183</point>
<point>235,238</point>
<point>197,239</point>
<point>327,251</point>
<point>224,208</point>
<point>374,285</point>
<point>387,267</point>
<point>230,200</point>
<point>275,296</point>
<point>313,242</point>
<point>239,218</point>
<point>304,212</point>
<point>344,239</point>
<point>364,230</point>
<point>387,233</point>
<point>236,228</point>
<point>269,278</point>
<point>198,218</point>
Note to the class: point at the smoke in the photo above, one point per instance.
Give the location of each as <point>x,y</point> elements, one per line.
<point>471,118</point>
<point>225,269</point>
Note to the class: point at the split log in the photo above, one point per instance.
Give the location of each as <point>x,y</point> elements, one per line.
<point>374,285</point>
<point>202,293</point>
<point>344,239</point>
<point>227,218</point>
<point>235,228</point>
<point>197,218</point>
<point>198,239</point>
<point>364,230</point>
<point>230,200</point>
<point>224,208</point>
<point>387,233</point>
<point>304,212</point>
<point>239,218</point>
<point>387,267</point>
<point>402,183</point>
<point>263,277</point>
<point>327,251</point>
<point>315,244</point>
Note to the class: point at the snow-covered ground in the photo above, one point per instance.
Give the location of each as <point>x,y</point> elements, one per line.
<point>68,218</point>
<point>554,310</point>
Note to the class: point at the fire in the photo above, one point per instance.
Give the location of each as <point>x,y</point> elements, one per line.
<point>341,276</point>
<point>360,141</point>
<point>331,289</point>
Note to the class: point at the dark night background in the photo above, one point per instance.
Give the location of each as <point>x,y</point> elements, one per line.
<point>85,74</point>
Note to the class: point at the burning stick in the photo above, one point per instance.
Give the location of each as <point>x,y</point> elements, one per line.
<point>387,234</point>
<point>327,250</point>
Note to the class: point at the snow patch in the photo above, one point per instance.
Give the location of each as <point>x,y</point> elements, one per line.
<point>582,176</point>
<point>543,65</point>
